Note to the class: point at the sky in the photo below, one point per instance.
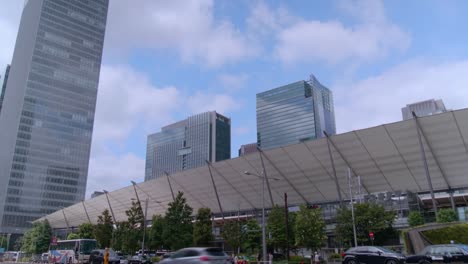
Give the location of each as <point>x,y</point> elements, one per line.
<point>166,60</point>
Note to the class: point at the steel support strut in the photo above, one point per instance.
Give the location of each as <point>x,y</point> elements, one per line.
<point>265,175</point>
<point>334,170</point>
<point>86,211</point>
<point>170,185</point>
<point>215,189</point>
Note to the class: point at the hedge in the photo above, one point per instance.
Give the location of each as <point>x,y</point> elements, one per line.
<point>455,232</point>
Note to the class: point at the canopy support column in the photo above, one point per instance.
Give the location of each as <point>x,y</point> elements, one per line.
<point>86,211</point>
<point>110,207</point>
<point>334,170</point>
<point>264,172</point>
<point>66,221</point>
<point>452,201</point>
<point>170,185</point>
<point>426,168</point>
<point>345,160</point>
<point>215,189</point>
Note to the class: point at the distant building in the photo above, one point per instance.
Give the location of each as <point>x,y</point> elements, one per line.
<point>4,83</point>
<point>188,144</point>
<point>247,149</point>
<point>294,113</point>
<point>424,108</point>
<point>96,194</point>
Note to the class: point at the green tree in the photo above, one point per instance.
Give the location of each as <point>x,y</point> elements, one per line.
<point>276,228</point>
<point>3,242</point>
<point>136,223</point>
<point>310,228</point>
<point>231,233</point>
<point>368,217</point>
<point>415,219</point>
<point>156,232</point>
<point>37,239</point>
<point>178,228</point>
<point>73,236</point>
<point>86,230</point>
<point>120,235</point>
<point>251,236</point>
<point>104,228</point>
<point>202,233</point>
<point>446,216</point>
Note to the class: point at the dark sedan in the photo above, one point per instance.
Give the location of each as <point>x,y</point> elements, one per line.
<point>372,255</point>
<point>450,253</point>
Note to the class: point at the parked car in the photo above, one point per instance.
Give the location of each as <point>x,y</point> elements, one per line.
<point>97,257</point>
<point>122,257</point>
<point>197,255</point>
<point>450,253</point>
<point>372,255</point>
<point>139,259</point>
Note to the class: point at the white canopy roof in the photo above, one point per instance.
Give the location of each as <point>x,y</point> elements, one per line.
<point>387,158</point>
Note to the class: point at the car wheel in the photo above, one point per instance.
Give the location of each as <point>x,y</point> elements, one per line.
<point>391,261</point>
<point>424,262</point>
<point>351,261</point>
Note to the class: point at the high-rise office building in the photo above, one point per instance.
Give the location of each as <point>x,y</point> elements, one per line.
<point>247,149</point>
<point>424,108</point>
<point>293,113</point>
<point>188,144</point>
<point>3,87</point>
<point>48,112</point>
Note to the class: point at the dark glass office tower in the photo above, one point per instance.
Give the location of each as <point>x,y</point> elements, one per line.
<point>293,113</point>
<point>48,112</point>
<point>188,144</point>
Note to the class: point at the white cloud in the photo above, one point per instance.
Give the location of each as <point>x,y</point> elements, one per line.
<point>233,82</point>
<point>189,27</point>
<point>110,171</point>
<point>379,99</point>
<point>201,102</point>
<point>371,38</point>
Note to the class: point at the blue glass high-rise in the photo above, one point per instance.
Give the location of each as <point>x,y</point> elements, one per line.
<point>48,110</point>
<point>293,113</point>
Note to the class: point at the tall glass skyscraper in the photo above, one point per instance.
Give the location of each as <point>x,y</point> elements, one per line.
<point>48,112</point>
<point>293,113</point>
<point>188,144</point>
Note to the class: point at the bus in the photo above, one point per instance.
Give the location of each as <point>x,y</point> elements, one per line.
<point>72,251</point>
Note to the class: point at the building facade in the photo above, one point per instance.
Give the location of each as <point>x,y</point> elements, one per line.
<point>4,83</point>
<point>424,108</point>
<point>48,112</point>
<point>294,113</point>
<point>188,144</point>
<point>247,149</point>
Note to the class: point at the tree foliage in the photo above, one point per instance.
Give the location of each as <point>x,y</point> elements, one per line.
<point>276,228</point>
<point>73,236</point>
<point>133,228</point>
<point>86,231</point>
<point>202,233</point>
<point>415,219</point>
<point>156,232</point>
<point>178,228</point>
<point>368,217</point>
<point>104,228</point>
<point>446,216</point>
<point>231,233</point>
<point>37,239</point>
<point>251,236</point>
<point>310,228</point>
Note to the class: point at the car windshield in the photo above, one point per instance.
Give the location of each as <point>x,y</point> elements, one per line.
<point>386,250</point>
<point>215,252</point>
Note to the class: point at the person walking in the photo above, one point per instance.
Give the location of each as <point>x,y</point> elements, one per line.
<point>106,256</point>
<point>316,258</point>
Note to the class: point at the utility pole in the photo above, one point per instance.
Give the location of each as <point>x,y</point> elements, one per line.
<point>352,206</point>
<point>144,227</point>
<point>286,220</point>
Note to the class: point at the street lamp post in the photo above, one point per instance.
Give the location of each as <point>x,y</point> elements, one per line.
<point>264,248</point>
<point>144,227</point>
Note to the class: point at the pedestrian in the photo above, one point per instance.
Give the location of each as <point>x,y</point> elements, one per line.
<point>316,258</point>
<point>270,258</point>
<point>106,256</point>
<point>236,259</point>
<point>259,257</point>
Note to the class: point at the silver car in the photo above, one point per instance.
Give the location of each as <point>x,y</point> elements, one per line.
<point>197,256</point>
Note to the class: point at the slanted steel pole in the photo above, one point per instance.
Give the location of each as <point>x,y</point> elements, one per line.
<point>452,201</point>
<point>110,207</point>
<point>136,194</point>
<point>216,190</point>
<point>86,211</point>
<point>170,185</point>
<point>352,206</point>
<point>66,221</point>
<point>334,170</point>
<point>265,175</point>
<point>426,168</point>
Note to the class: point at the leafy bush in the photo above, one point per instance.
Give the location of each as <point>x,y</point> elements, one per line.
<point>334,256</point>
<point>155,259</point>
<point>297,259</point>
<point>446,216</point>
<point>415,219</point>
<point>455,232</point>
